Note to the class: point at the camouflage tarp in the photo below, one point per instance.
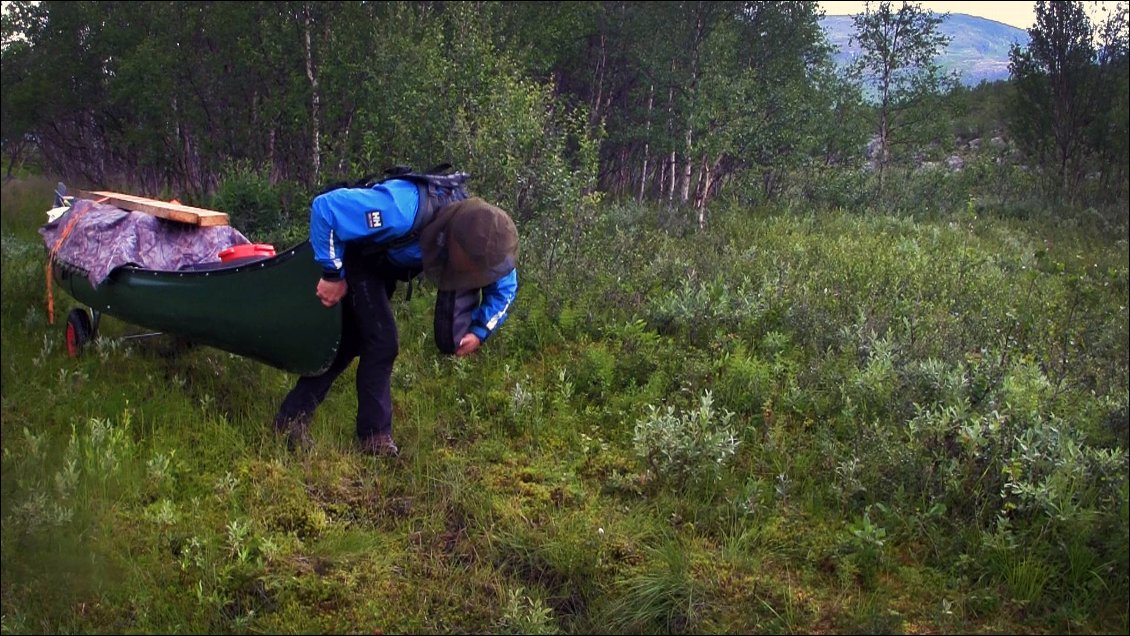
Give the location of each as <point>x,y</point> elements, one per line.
<point>105,237</point>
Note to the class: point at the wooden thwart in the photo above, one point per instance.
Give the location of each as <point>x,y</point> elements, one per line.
<point>163,209</point>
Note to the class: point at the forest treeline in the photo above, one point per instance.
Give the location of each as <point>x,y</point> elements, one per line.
<point>552,105</point>
<point>798,348</point>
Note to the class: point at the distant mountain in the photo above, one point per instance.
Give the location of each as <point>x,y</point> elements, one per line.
<point>978,48</point>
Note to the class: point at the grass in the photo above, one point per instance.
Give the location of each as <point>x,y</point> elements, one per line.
<point>930,418</point>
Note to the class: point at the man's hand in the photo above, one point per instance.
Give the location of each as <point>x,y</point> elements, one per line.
<point>330,292</point>
<point>468,344</point>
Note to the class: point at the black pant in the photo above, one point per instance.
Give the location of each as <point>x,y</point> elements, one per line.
<point>369,332</point>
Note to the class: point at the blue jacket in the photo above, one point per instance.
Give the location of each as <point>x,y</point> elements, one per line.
<point>382,213</point>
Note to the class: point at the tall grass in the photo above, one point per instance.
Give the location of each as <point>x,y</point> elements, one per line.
<point>791,422</point>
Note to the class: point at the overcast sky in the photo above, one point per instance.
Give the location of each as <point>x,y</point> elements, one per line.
<point>1021,15</point>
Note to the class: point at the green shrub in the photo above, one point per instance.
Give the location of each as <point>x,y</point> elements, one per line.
<point>595,370</point>
<point>745,383</point>
<point>524,614</point>
<point>864,544</point>
<point>685,448</point>
<point>698,310</point>
<point>264,211</point>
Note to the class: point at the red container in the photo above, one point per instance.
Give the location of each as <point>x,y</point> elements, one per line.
<point>261,250</point>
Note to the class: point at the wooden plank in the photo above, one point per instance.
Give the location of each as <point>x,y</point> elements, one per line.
<point>163,209</point>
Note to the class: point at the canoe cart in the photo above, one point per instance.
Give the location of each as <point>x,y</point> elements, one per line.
<point>186,273</point>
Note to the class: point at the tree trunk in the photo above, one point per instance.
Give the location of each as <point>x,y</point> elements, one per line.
<point>646,143</point>
<point>701,192</point>
<point>884,133</point>
<point>601,60</point>
<point>686,180</point>
<point>670,163</point>
<point>344,153</point>
<point>671,179</point>
<point>712,174</point>
<point>15,156</point>
<point>699,28</point>
<point>272,159</point>
<point>315,101</point>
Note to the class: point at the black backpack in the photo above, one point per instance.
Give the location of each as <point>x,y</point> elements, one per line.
<point>438,187</point>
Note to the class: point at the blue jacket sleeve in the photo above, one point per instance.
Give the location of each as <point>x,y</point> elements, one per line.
<point>494,309</point>
<point>328,247</point>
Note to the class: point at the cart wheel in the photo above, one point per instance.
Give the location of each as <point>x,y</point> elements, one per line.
<point>79,331</point>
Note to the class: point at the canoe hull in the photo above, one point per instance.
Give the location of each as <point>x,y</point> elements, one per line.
<point>265,310</point>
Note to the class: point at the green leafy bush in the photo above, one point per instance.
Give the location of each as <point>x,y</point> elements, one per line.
<point>686,448</point>
<point>745,383</point>
<point>595,370</point>
<point>264,211</point>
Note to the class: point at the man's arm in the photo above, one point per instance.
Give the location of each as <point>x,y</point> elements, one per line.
<point>328,247</point>
<point>495,308</point>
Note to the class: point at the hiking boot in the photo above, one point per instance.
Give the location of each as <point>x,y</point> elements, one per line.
<point>380,446</point>
<point>297,434</point>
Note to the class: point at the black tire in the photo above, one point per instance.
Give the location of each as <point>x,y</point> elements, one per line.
<point>79,331</point>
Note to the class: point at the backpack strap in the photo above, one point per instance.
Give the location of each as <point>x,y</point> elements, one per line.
<point>364,182</point>
<point>435,189</point>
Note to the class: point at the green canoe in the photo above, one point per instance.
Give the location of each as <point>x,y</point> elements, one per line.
<point>265,310</point>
